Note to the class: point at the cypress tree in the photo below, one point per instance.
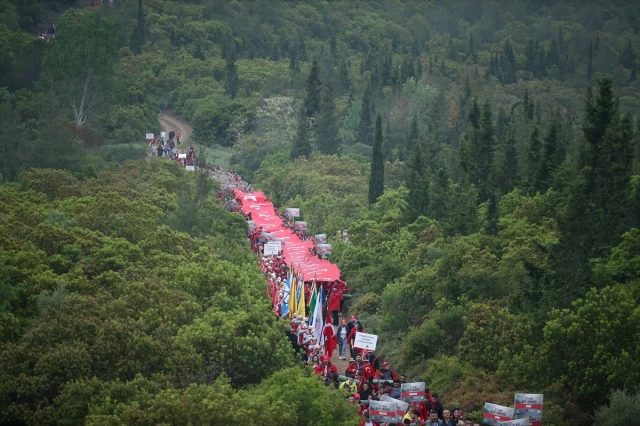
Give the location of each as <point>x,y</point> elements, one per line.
<point>534,158</point>
<point>628,55</point>
<point>474,114</point>
<point>417,185</point>
<point>465,160</point>
<point>138,36</point>
<point>293,60</point>
<point>439,194</point>
<point>550,158</point>
<point>314,91</point>
<point>302,143</point>
<point>327,124</point>
<point>483,151</point>
<point>590,63</point>
<point>525,103</point>
<point>231,83</point>
<point>365,124</point>
<point>509,166</point>
<point>376,179</point>
<point>491,221</point>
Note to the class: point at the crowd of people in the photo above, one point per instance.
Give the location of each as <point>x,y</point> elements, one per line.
<point>366,377</point>
<point>166,148</point>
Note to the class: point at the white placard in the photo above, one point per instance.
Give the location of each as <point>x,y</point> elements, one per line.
<point>365,341</point>
<point>163,134</point>
<point>149,136</point>
<point>192,168</point>
<point>293,212</point>
<point>182,155</point>
<point>270,249</point>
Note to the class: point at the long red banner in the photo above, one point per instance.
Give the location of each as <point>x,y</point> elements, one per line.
<point>295,251</point>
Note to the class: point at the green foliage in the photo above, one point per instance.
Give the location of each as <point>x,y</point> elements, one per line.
<point>109,312</point>
<point>623,409</point>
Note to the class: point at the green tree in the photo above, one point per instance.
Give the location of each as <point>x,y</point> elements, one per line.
<point>302,143</point>
<point>483,151</point>
<point>313,97</point>
<point>534,179</point>
<point>365,125</point>
<point>417,185</point>
<point>137,39</point>
<point>376,178</point>
<point>327,124</point>
<point>231,81</point>
<point>608,358</point>
<point>623,409</point>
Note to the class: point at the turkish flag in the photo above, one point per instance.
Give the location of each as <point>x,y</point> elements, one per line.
<point>330,339</point>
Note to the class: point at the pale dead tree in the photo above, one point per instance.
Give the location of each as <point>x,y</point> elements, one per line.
<point>81,62</point>
<point>83,95</point>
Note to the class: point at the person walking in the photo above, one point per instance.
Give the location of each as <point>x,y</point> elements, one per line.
<point>342,334</point>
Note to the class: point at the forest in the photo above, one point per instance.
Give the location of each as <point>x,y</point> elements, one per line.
<point>483,156</point>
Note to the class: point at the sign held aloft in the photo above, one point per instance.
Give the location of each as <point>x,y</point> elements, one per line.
<point>365,341</point>
<point>382,411</point>
<point>292,212</point>
<point>413,392</point>
<point>320,238</point>
<point>529,406</point>
<point>494,414</point>
<point>401,407</point>
<point>324,249</point>
<point>301,226</point>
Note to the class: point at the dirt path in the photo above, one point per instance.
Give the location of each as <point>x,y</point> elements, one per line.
<point>341,365</point>
<point>171,122</point>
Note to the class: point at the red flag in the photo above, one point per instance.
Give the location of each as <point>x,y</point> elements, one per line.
<point>330,339</point>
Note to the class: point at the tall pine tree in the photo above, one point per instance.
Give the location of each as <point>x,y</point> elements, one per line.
<point>138,35</point>
<point>302,143</point>
<point>365,124</point>
<point>314,91</point>
<point>327,124</point>
<point>231,82</point>
<point>376,179</point>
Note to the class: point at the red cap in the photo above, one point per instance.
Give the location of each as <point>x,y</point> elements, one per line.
<point>325,359</point>
<point>357,396</point>
<point>344,322</point>
<point>353,318</point>
<point>385,364</point>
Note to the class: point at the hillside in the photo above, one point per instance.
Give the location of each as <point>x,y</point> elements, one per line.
<point>482,156</point>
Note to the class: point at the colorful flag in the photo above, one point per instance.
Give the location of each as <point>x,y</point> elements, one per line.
<point>318,322</point>
<point>286,296</point>
<point>313,301</point>
<point>301,299</point>
<point>292,294</point>
<point>330,341</point>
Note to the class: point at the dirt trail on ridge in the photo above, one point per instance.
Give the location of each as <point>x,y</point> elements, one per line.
<point>171,122</point>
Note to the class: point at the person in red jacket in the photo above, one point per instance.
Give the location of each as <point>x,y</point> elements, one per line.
<point>327,370</point>
<point>352,336</point>
<point>334,305</point>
